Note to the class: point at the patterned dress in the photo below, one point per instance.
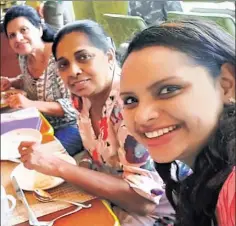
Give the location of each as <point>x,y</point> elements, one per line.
<point>116,152</point>
<point>49,87</point>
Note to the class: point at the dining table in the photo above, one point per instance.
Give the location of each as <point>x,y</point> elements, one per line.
<point>99,214</point>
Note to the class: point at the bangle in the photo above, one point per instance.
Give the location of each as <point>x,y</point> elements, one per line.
<point>86,160</point>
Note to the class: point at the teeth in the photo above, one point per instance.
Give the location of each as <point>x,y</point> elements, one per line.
<point>160,132</point>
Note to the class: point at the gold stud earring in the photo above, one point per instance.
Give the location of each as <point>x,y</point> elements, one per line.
<point>232,100</point>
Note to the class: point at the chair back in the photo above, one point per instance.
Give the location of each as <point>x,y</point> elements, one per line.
<point>83,10</point>
<point>94,10</point>
<point>227,22</point>
<point>123,27</point>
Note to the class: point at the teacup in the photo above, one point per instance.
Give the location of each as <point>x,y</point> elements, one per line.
<point>6,210</point>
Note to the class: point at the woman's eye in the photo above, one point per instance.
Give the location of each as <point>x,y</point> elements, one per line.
<point>169,90</point>
<point>12,35</point>
<point>24,30</point>
<point>129,101</point>
<point>62,66</point>
<point>84,57</point>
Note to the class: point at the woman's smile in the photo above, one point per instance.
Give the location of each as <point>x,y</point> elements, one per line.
<point>161,136</point>
<point>80,84</point>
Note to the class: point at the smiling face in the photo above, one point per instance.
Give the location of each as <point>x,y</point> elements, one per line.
<point>170,105</point>
<point>23,36</point>
<point>84,68</point>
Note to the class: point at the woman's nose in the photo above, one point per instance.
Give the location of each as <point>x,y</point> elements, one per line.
<point>19,37</point>
<point>146,114</point>
<point>75,70</point>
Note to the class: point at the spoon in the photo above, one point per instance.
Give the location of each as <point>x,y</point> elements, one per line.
<point>44,196</point>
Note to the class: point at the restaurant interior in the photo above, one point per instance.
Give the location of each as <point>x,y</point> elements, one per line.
<point>34,198</point>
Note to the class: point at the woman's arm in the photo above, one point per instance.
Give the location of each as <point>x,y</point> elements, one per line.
<point>16,82</point>
<point>99,184</point>
<point>108,187</point>
<point>50,108</point>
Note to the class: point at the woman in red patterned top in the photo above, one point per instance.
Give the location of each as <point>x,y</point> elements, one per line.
<point>116,166</point>
<point>178,89</point>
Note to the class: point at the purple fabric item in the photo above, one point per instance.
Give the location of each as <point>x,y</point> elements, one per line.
<point>34,123</point>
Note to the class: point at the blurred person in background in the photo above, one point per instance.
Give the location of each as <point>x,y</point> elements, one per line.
<point>153,11</point>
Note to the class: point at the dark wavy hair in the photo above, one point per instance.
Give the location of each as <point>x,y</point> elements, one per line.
<point>194,198</point>
<point>32,16</point>
<point>96,34</point>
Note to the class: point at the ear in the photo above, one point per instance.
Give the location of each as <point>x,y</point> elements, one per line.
<point>111,56</point>
<point>227,82</point>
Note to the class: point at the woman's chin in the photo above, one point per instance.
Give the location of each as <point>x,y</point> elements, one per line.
<point>23,51</point>
<point>160,158</point>
<point>82,93</point>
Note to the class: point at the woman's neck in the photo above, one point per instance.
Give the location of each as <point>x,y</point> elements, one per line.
<point>41,52</point>
<point>98,100</point>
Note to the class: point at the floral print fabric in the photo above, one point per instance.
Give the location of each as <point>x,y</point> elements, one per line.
<point>116,152</point>
<point>49,87</point>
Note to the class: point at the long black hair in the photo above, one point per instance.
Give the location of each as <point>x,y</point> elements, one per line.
<point>95,33</point>
<point>30,14</point>
<point>195,197</point>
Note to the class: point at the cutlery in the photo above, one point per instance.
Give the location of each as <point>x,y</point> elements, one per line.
<point>50,223</point>
<point>44,196</point>
<point>21,196</point>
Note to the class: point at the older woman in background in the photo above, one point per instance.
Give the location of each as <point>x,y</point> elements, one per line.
<point>32,41</point>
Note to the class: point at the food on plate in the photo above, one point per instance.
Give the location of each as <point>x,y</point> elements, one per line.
<point>42,180</point>
<point>6,94</point>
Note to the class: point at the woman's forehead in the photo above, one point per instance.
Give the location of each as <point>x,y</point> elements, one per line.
<point>18,21</point>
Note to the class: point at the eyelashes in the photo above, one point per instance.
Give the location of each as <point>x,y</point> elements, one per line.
<point>164,92</point>
<point>80,58</point>
<point>129,100</point>
<point>169,89</point>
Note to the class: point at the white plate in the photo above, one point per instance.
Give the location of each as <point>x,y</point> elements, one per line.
<point>11,140</point>
<point>31,179</point>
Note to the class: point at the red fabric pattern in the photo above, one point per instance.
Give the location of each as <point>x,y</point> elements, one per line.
<point>104,128</point>
<point>226,202</point>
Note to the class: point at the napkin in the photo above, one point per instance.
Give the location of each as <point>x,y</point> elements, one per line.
<point>25,118</point>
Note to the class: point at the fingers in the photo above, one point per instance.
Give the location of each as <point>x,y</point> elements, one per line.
<point>14,101</point>
<point>26,149</point>
<point>5,84</point>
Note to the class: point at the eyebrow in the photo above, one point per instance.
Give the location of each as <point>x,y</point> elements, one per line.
<point>152,85</point>
<point>23,26</point>
<point>161,81</point>
<point>75,53</point>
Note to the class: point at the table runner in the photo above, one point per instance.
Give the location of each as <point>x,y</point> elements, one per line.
<point>65,191</point>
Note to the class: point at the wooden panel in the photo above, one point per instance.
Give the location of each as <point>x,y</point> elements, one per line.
<point>9,63</point>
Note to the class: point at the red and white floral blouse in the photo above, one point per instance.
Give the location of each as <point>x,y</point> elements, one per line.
<point>116,152</point>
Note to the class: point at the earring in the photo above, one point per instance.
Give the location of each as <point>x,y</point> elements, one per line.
<point>232,100</point>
